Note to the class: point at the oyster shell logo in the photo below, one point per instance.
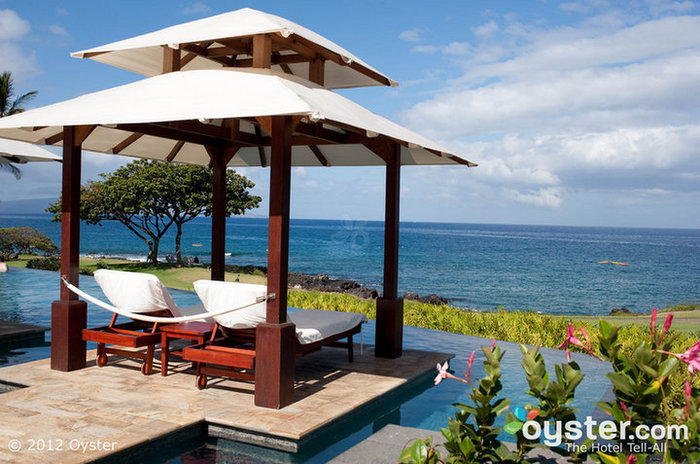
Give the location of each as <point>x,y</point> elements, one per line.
<point>518,419</point>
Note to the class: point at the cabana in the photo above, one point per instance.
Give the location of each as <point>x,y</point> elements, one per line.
<point>240,89</point>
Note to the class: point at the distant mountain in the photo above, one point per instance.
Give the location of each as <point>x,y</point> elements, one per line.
<point>34,206</point>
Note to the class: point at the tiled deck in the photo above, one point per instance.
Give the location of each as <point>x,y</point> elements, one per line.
<point>117,404</point>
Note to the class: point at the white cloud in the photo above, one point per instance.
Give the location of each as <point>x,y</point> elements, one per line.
<point>58,30</point>
<point>456,48</point>
<point>196,8</point>
<point>598,106</point>
<point>425,49</point>
<point>486,30</point>
<point>12,57</point>
<point>12,27</point>
<point>412,35</point>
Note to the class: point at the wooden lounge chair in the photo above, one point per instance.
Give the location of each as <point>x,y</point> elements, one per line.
<point>140,293</point>
<point>231,350</point>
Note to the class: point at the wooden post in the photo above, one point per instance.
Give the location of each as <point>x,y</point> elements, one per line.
<point>171,59</point>
<point>389,332</point>
<point>274,364</point>
<point>262,51</point>
<point>69,314</point>
<point>218,215</point>
<point>317,71</point>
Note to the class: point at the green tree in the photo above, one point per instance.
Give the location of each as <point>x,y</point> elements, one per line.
<point>148,197</point>
<point>11,105</point>
<point>24,240</point>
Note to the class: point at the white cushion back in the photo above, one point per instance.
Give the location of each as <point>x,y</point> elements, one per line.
<point>135,292</point>
<point>219,296</point>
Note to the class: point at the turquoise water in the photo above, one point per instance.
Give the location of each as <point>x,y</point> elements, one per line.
<point>26,295</point>
<point>549,269</point>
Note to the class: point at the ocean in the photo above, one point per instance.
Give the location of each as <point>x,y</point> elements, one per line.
<point>478,266</point>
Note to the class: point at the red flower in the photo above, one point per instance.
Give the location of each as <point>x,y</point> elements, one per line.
<point>631,459</point>
<point>469,366</point>
<point>653,323</point>
<point>688,396</point>
<point>692,358</point>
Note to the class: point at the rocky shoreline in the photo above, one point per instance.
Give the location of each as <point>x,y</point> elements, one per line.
<point>323,283</point>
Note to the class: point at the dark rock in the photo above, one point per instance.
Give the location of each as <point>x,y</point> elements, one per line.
<point>619,311</point>
<point>433,299</point>
<point>410,296</point>
<point>323,283</point>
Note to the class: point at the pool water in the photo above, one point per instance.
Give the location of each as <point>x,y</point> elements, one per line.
<point>26,296</point>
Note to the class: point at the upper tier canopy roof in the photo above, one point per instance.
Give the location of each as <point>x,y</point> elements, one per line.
<point>21,152</point>
<point>225,41</point>
<point>174,116</point>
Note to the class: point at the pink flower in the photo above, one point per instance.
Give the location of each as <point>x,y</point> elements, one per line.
<point>652,325</point>
<point>623,406</point>
<point>571,339</point>
<point>631,459</point>
<point>692,358</point>
<point>493,344</point>
<point>469,366</point>
<point>688,396</point>
<point>568,355</point>
<point>667,325</point>
<point>442,373</point>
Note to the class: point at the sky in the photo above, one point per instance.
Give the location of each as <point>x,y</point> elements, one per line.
<point>578,112</point>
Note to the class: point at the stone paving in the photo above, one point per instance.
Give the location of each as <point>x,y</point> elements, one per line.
<point>93,412</point>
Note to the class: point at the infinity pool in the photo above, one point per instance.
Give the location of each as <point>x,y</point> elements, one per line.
<point>26,296</point>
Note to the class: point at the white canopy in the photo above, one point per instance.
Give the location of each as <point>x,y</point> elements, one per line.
<point>127,115</point>
<point>22,152</point>
<point>144,54</point>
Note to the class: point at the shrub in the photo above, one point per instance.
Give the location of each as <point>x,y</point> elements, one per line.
<point>50,263</point>
<point>24,240</point>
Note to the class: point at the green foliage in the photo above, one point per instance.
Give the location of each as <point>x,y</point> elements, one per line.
<point>148,197</point>
<point>554,396</point>
<point>644,390</point>
<point>24,240</point>
<point>420,452</point>
<point>50,263</point>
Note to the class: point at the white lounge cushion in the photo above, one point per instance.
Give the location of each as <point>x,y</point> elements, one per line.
<point>315,324</point>
<point>219,296</point>
<point>136,292</point>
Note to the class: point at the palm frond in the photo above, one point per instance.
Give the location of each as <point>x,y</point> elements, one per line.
<point>11,168</point>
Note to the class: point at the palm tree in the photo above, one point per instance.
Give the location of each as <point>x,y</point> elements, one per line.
<point>10,105</point>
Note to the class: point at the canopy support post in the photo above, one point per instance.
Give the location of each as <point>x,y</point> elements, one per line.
<point>218,214</point>
<point>389,332</point>
<point>69,314</point>
<point>274,366</point>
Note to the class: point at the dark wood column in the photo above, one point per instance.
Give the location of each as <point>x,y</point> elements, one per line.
<point>218,214</point>
<point>389,332</point>
<point>274,364</point>
<point>69,314</point>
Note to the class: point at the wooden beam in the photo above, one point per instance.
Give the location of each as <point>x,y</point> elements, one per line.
<point>191,56</point>
<point>389,325</point>
<point>69,314</point>
<point>173,153</point>
<point>54,139</point>
<point>319,132</point>
<point>319,155</point>
<point>329,55</point>
<point>218,215</point>
<point>224,133</point>
<point>317,69</point>
<point>170,133</point>
<point>276,58</point>
<point>201,51</point>
<point>171,59</point>
<point>126,142</point>
<point>274,339</point>
<point>285,67</point>
<point>262,51</point>
<point>290,43</point>
<point>261,150</point>
<point>278,233</point>
<point>82,133</point>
